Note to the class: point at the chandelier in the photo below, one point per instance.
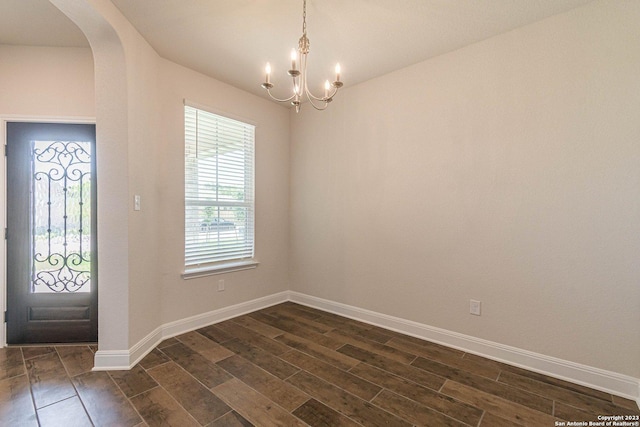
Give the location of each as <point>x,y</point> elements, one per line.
<point>299,76</point>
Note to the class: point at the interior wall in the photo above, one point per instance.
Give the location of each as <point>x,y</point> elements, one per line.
<point>46,82</point>
<point>505,172</point>
<point>153,167</point>
<point>41,83</point>
<point>137,98</point>
<point>144,173</point>
<point>126,130</point>
<point>186,298</point>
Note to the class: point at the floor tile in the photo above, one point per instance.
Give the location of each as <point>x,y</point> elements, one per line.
<point>11,362</point>
<point>104,401</point>
<point>625,403</point>
<point>425,396</point>
<point>549,380</point>
<point>412,373</point>
<point>240,333</point>
<point>327,355</point>
<point>36,351</point>
<point>49,380</point>
<point>492,420</point>
<point>204,370</point>
<point>231,419</point>
<point>412,411</point>
<point>259,327</point>
<point>504,408</point>
<point>67,413</point>
<point>154,358</point>
<point>315,414</point>
<point>215,334</point>
<point>347,404</point>
<point>263,359</point>
<point>195,398</point>
<point>280,392</point>
<point>134,381</point>
<point>343,379</point>
<point>290,365</point>
<point>76,359</point>
<point>376,347</point>
<point>254,406</point>
<point>577,400</point>
<point>570,413</point>
<point>516,395</point>
<point>16,406</point>
<point>299,329</point>
<point>167,343</point>
<point>158,408</point>
<point>209,349</point>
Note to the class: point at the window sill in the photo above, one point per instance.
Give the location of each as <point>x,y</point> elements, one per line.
<point>227,267</point>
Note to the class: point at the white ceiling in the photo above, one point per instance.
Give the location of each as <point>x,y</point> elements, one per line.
<point>231,40</point>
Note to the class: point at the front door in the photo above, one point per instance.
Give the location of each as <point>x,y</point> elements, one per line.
<point>51,233</point>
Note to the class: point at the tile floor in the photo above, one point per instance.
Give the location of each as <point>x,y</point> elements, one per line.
<point>288,365</point>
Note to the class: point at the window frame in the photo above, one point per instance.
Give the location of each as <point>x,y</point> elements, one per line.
<point>232,263</point>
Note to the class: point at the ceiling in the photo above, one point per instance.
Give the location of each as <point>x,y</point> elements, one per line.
<point>231,40</point>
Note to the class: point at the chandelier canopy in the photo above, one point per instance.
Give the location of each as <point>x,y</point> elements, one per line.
<point>299,76</point>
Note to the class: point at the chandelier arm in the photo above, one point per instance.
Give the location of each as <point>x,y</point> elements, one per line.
<point>326,104</point>
<point>297,92</point>
<point>303,75</point>
<point>306,90</point>
<point>310,95</point>
<point>278,99</point>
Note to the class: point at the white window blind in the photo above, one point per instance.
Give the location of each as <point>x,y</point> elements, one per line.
<point>219,203</point>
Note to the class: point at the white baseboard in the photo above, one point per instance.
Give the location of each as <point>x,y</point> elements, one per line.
<point>607,381</point>
<point>108,360</point>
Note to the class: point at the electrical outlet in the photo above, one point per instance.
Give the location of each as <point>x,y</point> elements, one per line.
<point>474,307</point>
<point>220,285</point>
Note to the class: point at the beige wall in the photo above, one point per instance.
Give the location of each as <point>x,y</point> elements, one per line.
<point>184,298</point>
<point>152,166</point>
<point>125,83</point>
<point>138,102</point>
<point>46,82</point>
<point>506,172</point>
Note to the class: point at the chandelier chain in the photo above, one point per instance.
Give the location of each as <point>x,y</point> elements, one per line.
<point>304,17</point>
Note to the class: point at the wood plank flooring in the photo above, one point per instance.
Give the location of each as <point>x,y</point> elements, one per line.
<point>289,365</point>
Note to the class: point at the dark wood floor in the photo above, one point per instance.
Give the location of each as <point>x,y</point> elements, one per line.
<point>288,365</point>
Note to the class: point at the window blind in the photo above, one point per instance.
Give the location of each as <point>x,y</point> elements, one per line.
<point>219,183</point>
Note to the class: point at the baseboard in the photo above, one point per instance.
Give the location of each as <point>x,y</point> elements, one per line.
<point>607,381</point>
<point>111,360</point>
<point>107,360</point>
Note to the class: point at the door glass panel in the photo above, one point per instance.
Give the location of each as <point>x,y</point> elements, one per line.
<point>61,217</point>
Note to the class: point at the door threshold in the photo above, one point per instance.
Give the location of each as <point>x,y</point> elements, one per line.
<point>53,344</point>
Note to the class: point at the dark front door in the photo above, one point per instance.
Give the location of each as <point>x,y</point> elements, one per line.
<point>51,233</point>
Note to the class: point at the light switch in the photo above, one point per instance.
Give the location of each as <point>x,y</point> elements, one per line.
<point>136,202</point>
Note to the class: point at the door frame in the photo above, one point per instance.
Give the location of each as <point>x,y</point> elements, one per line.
<point>3,199</point>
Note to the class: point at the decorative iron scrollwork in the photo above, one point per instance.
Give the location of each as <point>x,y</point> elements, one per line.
<point>61,243</point>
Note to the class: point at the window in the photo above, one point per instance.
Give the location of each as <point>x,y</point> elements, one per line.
<point>219,204</point>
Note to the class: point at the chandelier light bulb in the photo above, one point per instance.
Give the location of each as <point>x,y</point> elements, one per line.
<point>294,56</point>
